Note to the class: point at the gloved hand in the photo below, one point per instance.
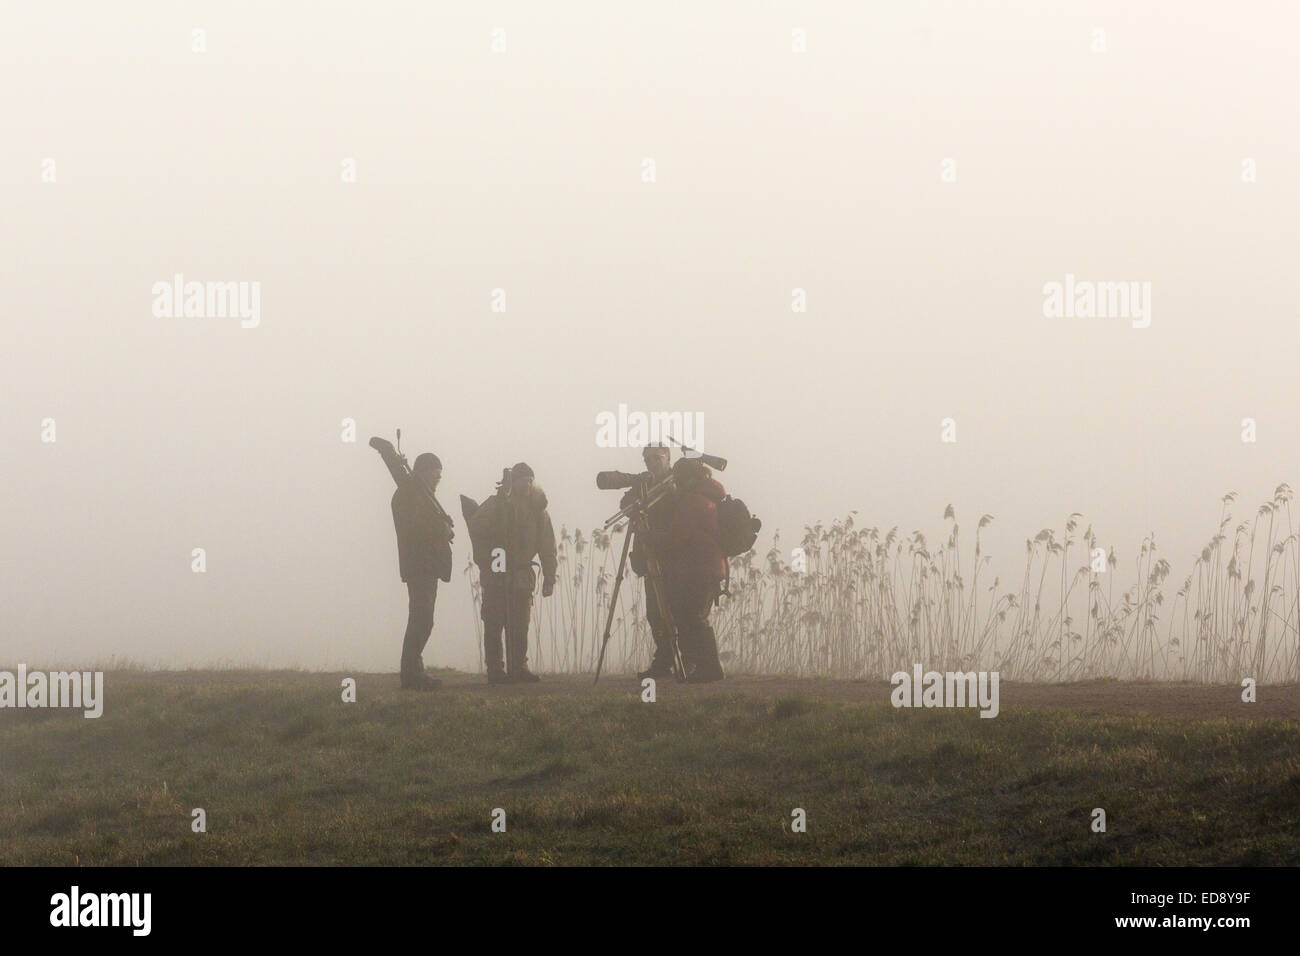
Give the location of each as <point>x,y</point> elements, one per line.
<point>548,586</point>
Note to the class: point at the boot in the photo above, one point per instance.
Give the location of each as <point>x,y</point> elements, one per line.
<point>705,674</point>
<point>524,676</point>
<point>497,676</point>
<point>707,668</point>
<point>659,670</point>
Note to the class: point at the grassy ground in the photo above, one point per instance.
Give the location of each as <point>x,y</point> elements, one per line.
<point>289,774</point>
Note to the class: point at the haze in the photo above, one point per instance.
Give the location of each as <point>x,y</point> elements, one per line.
<point>522,171</point>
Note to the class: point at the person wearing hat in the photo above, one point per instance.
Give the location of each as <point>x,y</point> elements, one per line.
<point>658,462</point>
<point>695,565</point>
<point>424,536</point>
<point>509,530</point>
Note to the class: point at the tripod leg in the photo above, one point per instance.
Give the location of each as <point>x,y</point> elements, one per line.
<point>613,603</point>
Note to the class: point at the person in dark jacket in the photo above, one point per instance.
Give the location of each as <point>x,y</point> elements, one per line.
<point>694,566</point>
<point>657,460</point>
<point>509,530</point>
<point>424,536</point>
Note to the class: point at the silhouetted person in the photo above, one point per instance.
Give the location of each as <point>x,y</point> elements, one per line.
<point>424,536</point>
<point>509,530</point>
<point>657,460</point>
<point>694,565</point>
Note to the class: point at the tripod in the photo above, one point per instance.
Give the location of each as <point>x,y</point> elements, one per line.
<point>637,515</point>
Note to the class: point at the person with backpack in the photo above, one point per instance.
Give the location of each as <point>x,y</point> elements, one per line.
<point>508,531</point>
<point>694,565</point>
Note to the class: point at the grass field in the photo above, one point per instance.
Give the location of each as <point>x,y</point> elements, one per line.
<point>289,774</point>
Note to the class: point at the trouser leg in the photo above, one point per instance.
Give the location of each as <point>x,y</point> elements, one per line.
<point>699,644</point>
<point>521,607</point>
<point>421,597</point>
<point>494,619</point>
<point>659,630</point>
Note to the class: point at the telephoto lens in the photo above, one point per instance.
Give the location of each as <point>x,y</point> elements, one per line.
<point>613,480</point>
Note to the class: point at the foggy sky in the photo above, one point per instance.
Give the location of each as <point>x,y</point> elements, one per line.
<point>522,171</point>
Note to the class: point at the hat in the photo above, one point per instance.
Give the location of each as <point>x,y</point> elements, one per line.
<point>690,470</point>
<point>522,470</point>
<point>426,461</point>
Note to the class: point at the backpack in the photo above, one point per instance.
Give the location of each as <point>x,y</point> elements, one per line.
<point>737,528</point>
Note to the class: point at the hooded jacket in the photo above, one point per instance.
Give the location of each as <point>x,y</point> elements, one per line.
<point>522,527</point>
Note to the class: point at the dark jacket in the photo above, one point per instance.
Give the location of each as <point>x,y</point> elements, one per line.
<point>523,529</point>
<point>658,518</point>
<point>423,536</point>
<point>691,546</point>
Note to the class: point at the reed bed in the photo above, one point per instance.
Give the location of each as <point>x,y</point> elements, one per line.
<point>865,603</point>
